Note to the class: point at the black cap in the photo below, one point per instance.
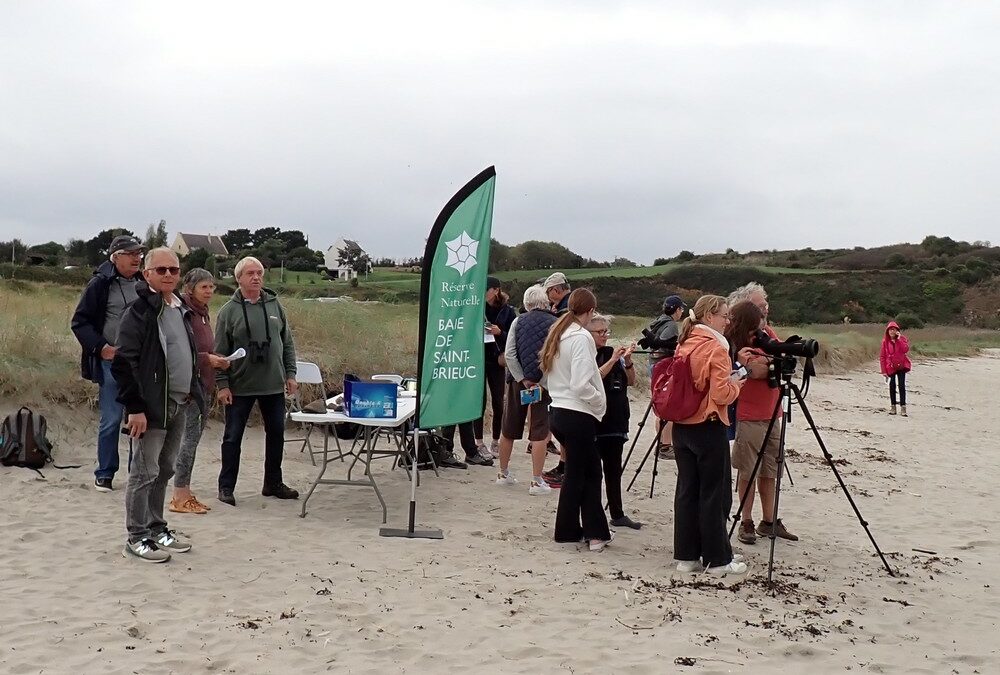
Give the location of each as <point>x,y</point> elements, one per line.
<point>672,303</point>
<point>493,282</point>
<point>124,242</point>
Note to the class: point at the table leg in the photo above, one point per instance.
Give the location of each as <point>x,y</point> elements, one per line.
<point>322,470</point>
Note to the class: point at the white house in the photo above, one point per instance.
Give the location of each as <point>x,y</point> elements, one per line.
<point>336,269</point>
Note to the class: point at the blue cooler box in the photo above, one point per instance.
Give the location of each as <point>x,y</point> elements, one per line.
<point>372,400</point>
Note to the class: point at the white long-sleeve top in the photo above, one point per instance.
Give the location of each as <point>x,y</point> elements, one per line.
<point>574,382</point>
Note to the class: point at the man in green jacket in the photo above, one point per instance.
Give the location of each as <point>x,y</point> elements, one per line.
<point>254,320</point>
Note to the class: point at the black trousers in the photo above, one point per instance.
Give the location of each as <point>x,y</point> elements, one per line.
<point>579,513</point>
<point>495,387</point>
<point>610,449</point>
<point>272,409</point>
<point>704,494</point>
<point>465,435</point>
<point>901,378</point>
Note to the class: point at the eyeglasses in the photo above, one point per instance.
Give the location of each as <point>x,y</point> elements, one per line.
<point>604,333</point>
<point>163,270</point>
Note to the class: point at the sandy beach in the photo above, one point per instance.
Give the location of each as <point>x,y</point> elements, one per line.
<point>265,591</point>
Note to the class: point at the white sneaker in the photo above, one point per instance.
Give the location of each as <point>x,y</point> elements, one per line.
<point>732,568</point>
<point>537,488</point>
<point>689,566</point>
<point>506,478</point>
<point>601,545</point>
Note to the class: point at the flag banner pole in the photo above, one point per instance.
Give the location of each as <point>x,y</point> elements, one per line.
<point>451,360</point>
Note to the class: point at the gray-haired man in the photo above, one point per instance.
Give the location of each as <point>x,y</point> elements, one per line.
<point>95,325</point>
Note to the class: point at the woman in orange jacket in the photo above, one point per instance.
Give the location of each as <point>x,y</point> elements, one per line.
<point>703,497</point>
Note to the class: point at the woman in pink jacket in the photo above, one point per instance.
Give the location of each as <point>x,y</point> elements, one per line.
<point>895,364</point>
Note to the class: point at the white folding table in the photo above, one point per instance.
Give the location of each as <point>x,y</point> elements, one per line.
<point>364,451</point>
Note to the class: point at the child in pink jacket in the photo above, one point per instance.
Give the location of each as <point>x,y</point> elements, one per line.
<point>895,364</point>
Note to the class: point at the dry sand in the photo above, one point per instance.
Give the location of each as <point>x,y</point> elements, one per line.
<point>264,591</point>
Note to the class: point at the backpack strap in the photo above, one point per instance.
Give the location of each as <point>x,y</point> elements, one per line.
<point>41,426</point>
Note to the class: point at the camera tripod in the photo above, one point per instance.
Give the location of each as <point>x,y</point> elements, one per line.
<point>656,457</point>
<point>784,405</point>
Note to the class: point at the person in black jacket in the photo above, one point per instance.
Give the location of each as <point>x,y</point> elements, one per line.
<point>95,325</point>
<point>156,368</point>
<point>618,372</point>
<point>499,317</point>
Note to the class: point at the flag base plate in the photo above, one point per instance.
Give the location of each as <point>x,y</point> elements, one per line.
<point>407,534</point>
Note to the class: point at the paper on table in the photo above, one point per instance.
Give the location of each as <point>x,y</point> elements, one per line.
<point>238,354</point>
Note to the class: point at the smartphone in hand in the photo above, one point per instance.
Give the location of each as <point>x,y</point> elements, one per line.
<point>533,395</point>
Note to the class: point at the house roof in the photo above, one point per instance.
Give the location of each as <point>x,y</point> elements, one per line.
<point>209,242</point>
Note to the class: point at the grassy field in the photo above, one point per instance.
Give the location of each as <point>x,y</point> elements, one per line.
<point>39,357</point>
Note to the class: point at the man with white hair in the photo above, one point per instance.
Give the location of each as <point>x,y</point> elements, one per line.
<point>95,325</point>
<point>524,342</point>
<point>254,320</point>
<point>159,384</point>
<point>753,292</point>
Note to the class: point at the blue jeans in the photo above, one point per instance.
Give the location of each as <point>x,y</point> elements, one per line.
<point>109,430</point>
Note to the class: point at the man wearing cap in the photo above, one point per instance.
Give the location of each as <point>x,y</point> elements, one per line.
<point>95,325</point>
<point>667,329</point>
<point>557,289</point>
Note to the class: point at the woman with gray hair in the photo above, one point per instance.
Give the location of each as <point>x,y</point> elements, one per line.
<point>199,287</point>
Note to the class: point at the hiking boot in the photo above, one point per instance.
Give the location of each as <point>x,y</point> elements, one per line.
<point>481,449</point>
<point>168,542</point>
<point>764,530</point>
<point>666,451</point>
<point>495,449</point>
<point>226,497</point>
<point>103,485</point>
<point>145,550</point>
<point>747,534</point>
<point>450,461</point>
<point>554,474</point>
<point>892,410</point>
<point>478,460</point>
<point>902,411</point>
<point>281,491</point>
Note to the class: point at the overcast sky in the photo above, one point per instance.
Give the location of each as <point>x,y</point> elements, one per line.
<point>634,129</point>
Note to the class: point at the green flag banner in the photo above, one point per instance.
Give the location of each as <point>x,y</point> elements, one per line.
<point>453,284</point>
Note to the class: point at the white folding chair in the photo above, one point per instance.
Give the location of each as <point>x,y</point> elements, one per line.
<point>307,373</point>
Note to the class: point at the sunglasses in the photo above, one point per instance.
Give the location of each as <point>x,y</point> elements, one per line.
<point>163,270</point>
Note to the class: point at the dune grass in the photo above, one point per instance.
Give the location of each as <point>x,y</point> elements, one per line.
<point>39,357</point>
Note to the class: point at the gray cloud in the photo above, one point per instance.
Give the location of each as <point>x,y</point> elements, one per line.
<point>634,129</point>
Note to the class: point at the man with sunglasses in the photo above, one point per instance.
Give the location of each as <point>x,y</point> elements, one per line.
<point>156,368</point>
<point>254,320</point>
<point>95,325</point>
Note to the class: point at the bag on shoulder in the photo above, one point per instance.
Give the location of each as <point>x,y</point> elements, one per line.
<point>674,396</point>
<point>23,440</point>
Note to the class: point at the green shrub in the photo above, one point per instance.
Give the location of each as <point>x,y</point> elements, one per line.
<point>909,320</point>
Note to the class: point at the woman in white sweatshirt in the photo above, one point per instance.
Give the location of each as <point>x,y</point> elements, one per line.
<point>570,375</point>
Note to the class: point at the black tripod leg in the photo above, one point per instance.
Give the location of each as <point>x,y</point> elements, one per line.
<point>789,474</point>
<point>777,480</point>
<point>638,432</point>
<point>756,466</point>
<point>635,476</point>
<point>843,486</point>
<point>656,463</point>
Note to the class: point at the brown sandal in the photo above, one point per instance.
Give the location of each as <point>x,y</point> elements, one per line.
<point>206,507</point>
<point>189,506</point>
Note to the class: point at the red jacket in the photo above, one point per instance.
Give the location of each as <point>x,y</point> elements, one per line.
<point>893,357</point>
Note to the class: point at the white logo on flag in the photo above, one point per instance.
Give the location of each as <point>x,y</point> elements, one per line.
<point>462,253</point>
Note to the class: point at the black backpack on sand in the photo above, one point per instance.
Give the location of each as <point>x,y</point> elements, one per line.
<point>23,441</point>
